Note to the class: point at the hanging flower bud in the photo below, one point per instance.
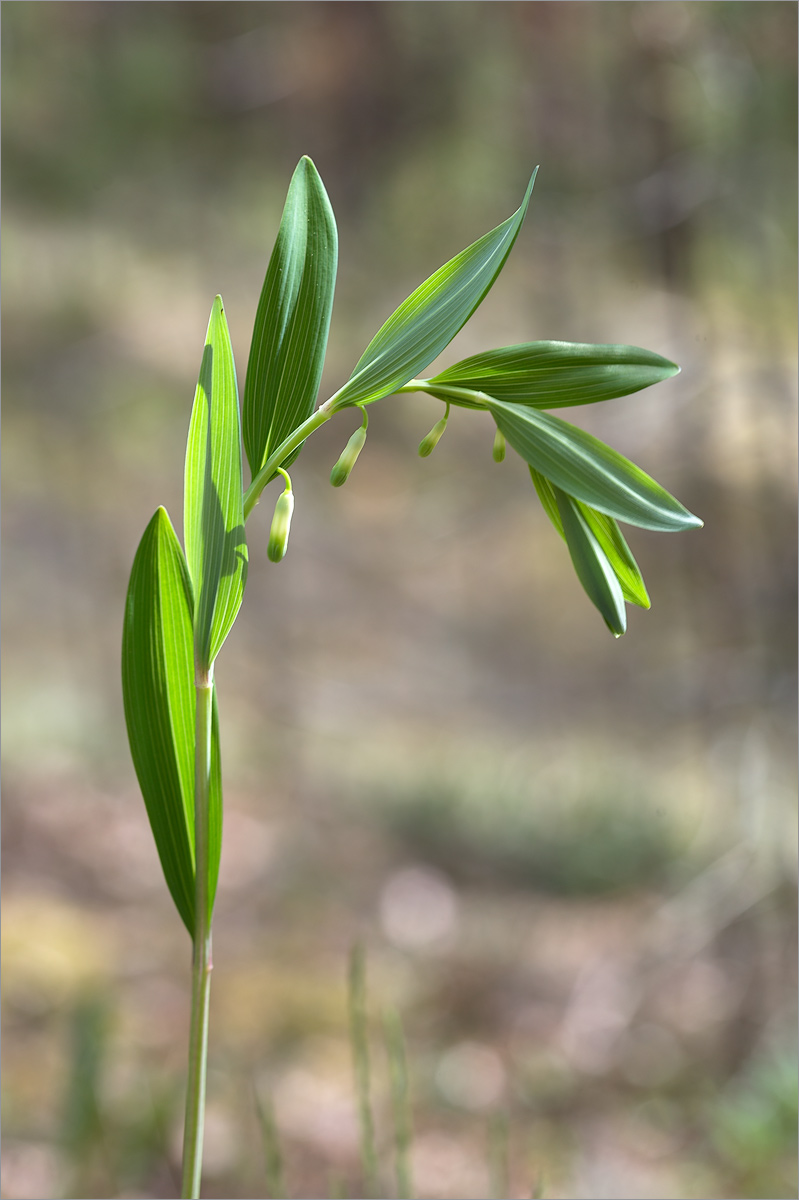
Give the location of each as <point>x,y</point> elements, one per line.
<point>281,522</point>
<point>429,443</point>
<point>499,446</point>
<point>349,455</point>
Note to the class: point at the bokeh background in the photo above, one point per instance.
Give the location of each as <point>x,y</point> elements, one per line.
<point>570,859</point>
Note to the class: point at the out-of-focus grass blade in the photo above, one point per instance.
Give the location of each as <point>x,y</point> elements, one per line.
<point>359,1036</point>
<point>289,337</point>
<point>591,565</point>
<point>400,1102</point>
<point>589,470</point>
<point>216,548</point>
<point>275,1179</point>
<point>431,316</point>
<point>498,1154</point>
<point>607,533</point>
<point>556,374</point>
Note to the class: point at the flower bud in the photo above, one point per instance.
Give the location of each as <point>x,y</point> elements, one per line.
<point>281,523</point>
<point>429,443</point>
<point>341,472</point>
<point>499,446</point>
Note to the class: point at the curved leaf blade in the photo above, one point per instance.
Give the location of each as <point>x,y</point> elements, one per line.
<point>431,316</point>
<point>216,546</point>
<point>607,533</point>
<point>289,338</point>
<point>591,565</point>
<point>588,469</point>
<point>614,545</point>
<point>558,374</point>
<point>158,694</point>
<point>160,703</point>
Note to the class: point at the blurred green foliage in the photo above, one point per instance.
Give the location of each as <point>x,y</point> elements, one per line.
<point>607,837</point>
<point>753,1124</point>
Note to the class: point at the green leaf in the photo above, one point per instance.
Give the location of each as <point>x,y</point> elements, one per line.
<point>589,470</point>
<point>607,533</point>
<point>556,374</point>
<point>591,564</point>
<point>289,337</point>
<point>216,548</point>
<point>431,316</point>
<point>613,543</point>
<point>159,698</point>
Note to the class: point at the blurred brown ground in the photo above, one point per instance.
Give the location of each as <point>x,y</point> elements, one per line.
<point>571,859</point>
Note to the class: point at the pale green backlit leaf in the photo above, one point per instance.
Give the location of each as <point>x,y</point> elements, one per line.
<point>607,533</point>
<point>289,337</point>
<point>591,564</point>
<point>159,698</point>
<point>589,470</point>
<point>431,316</point>
<point>556,374</point>
<point>216,548</point>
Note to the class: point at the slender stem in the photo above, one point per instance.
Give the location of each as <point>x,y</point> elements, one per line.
<point>444,392</point>
<point>467,396</point>
<point>201,959</point>
<point>295,439</point>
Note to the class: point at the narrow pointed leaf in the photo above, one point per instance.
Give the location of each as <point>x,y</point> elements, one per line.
<point>431,316</point>
<point>607,533</point>
<point>556,374</point>
<point>591,565</point>
<point>588,469</point>
<point>289,337</point>
<point>159,698</point>
<point>216,548</point>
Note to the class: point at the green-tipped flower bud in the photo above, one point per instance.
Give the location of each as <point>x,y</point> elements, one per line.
<point>429,443</point>
<point>281,523</point>
<point>499,446</point>
<point>349,455</point>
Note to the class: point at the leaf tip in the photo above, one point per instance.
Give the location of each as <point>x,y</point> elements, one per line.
<point>529,192</point>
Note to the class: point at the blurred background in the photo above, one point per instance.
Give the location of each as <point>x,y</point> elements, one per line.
<point>570,859</point>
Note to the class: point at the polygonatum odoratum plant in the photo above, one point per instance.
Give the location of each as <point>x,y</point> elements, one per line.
<point>183,599</point>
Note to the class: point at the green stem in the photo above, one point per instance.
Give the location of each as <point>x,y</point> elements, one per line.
<point>201,958</point>
<point>465,396</point>
<point>295,439</point>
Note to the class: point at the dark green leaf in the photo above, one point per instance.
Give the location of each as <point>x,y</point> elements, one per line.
<point>556,374</point>
<point>591,565</point>
<point>159,698</point>
<point>589,470</point>
<point>607,533</point>
<point>431,316</point>
<point>216,548</point>
<point>289,337</point>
